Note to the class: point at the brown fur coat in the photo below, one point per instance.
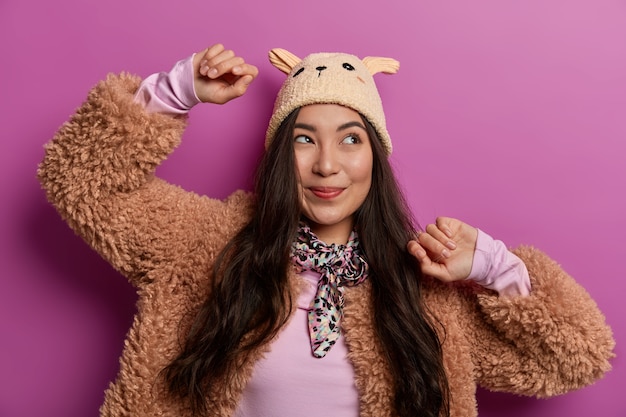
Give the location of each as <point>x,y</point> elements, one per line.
<point>99,173</point>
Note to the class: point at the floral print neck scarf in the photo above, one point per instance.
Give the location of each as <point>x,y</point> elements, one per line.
<point>339,266</point>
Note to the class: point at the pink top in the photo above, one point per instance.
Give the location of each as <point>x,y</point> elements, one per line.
<point>289,380</point>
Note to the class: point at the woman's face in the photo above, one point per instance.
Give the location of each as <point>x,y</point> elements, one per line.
<point>334,161</point>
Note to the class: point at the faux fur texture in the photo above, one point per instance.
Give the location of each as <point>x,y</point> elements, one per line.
<point>99,173</point>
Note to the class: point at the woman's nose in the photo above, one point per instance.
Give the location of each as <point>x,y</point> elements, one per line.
<point>326,163</point>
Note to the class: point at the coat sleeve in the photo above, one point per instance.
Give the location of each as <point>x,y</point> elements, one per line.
<point>553,341</point>
<point>98,171</point>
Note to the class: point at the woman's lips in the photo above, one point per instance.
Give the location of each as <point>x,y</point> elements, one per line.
<point>326,193</point>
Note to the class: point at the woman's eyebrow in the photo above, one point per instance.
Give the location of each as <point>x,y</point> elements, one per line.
<point>344,126</point>
<point>305,127</point>
<point>349,125</point>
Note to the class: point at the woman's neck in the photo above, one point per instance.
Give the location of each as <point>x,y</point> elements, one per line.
<point>336,233</point>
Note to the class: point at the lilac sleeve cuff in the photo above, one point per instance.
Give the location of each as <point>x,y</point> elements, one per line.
<point>169,92</point>
<point>496,268</point>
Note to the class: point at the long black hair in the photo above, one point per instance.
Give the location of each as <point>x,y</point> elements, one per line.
<point>250,298</point>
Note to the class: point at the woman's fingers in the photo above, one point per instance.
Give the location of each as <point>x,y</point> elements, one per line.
<point>220,61</point>
<point>202,58</point>
<point>445,250</point>
<point>443,224</point>
<point>241,85</point>
<point>427,265</point>
<point>436,242</point>
<point>219,65</point>
<point>416,250</point>
<point>221,75</point>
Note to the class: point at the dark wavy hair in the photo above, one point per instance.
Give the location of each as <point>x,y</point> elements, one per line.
<point>250,298</point>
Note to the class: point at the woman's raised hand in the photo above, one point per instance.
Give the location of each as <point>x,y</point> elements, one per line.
<point>445,250</point>
<point>220,75</point>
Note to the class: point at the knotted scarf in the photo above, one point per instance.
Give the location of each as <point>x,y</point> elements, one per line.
<point>339,266</point>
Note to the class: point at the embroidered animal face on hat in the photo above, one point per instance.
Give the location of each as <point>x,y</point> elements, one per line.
<point>331,78</point>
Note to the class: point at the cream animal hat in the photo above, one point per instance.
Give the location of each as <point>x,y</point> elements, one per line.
<point>332,78</point>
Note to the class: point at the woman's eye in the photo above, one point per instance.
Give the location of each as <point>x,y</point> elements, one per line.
<point>302,139</point>
<point>351,139</point>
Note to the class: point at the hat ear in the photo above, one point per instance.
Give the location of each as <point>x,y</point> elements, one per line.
<point>376,64</point>
<point>283,59</point>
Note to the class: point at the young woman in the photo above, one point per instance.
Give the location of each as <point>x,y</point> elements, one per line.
<point>315,294</point>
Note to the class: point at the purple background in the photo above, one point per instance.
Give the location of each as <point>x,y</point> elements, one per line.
<point>507,114</point>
